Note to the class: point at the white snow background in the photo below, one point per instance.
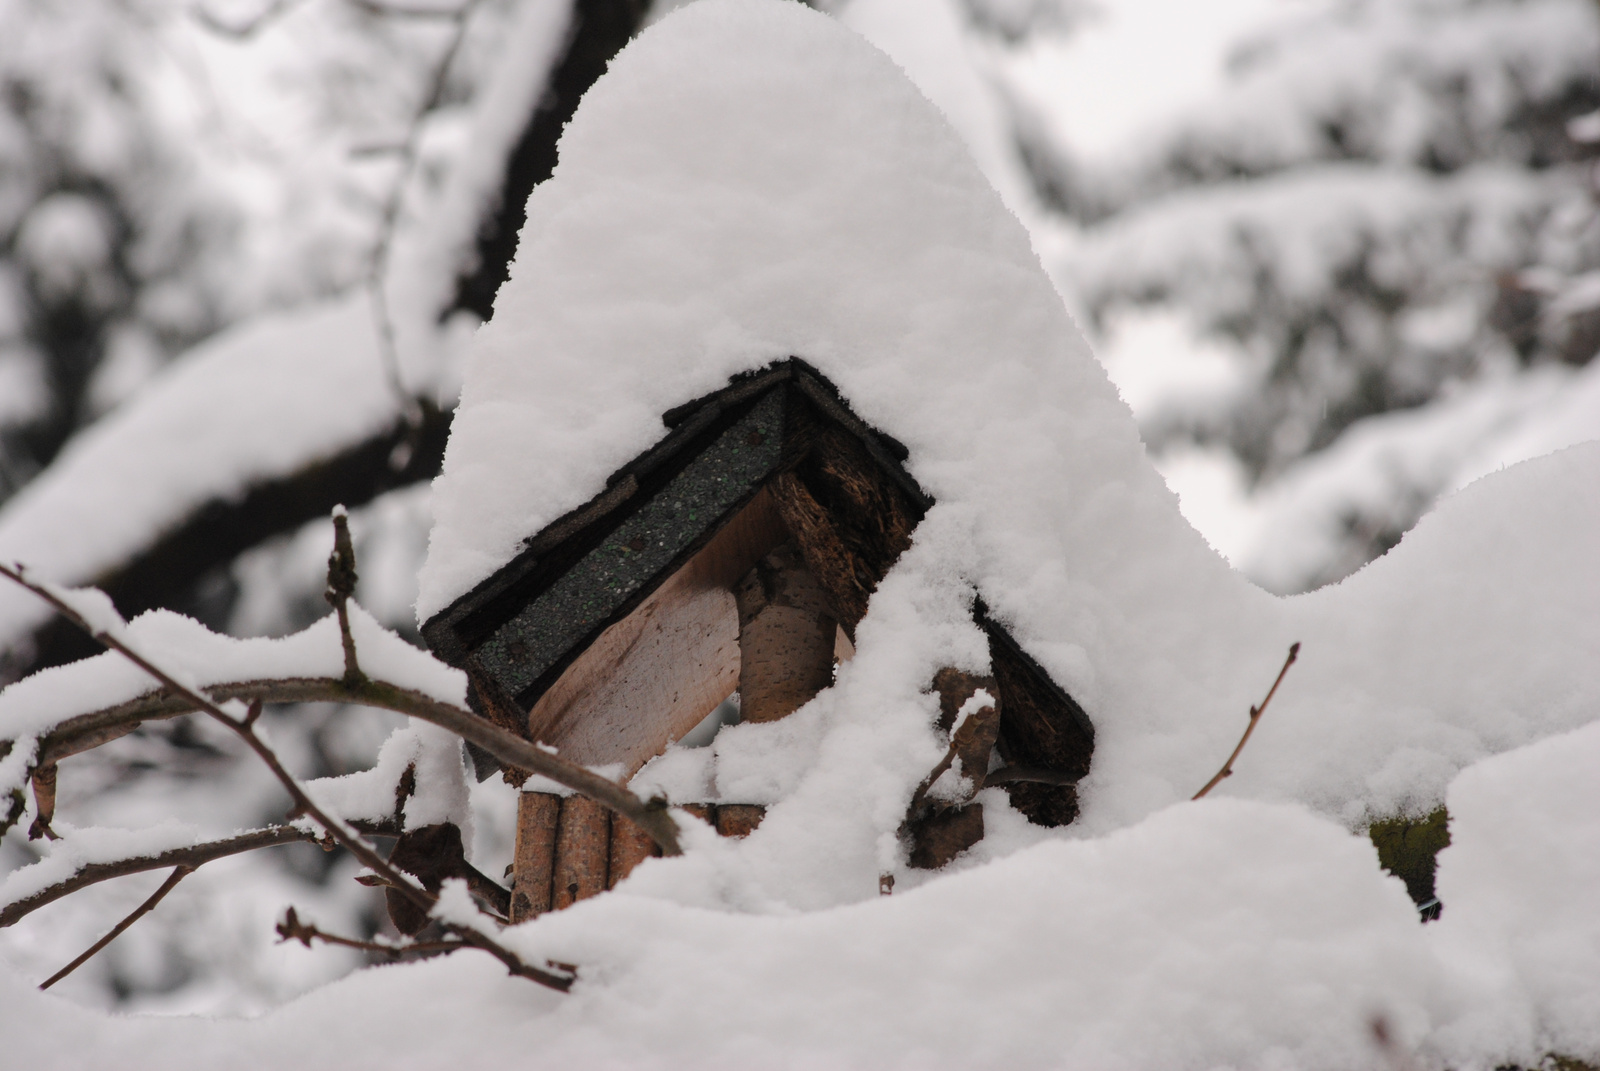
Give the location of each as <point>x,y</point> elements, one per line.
<point>750,181</point>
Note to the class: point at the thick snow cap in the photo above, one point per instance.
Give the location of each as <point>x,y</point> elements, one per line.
<point>750,181</point>
<point>748,185</point>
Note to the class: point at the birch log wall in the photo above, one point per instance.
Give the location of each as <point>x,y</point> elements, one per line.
<point>570,848</point>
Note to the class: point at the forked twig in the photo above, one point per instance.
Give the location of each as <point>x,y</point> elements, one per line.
<point>188,858</point>
<point>1255,716</point>
<point>292,929</point>
<point>346,837</point>
<point>177,875</point>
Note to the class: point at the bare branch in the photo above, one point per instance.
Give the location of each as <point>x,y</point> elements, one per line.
<point>338,830</point>
<point>1255,716</point>
<point>190,858</point>
<point>85,731</point>
<point>194,856</point>
<point>135,915</point>
<point>292,929</point>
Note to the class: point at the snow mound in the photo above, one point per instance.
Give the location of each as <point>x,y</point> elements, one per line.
<point>751,182</point>
<point>787,191</point>
<point>1225,934</point>
<point>1521,929</point>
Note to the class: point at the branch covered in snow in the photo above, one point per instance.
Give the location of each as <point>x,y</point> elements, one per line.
<point>85,731</point>
<point>93,612</point>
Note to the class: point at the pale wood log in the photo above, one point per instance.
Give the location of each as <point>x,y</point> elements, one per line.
<point>583,850</point>
<point>654,675</point>
<point>739,819</point>
<point>533,864</point>
<point>630,846</point>
<point>786,637</point>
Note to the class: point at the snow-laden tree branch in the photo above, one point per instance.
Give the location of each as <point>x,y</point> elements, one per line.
<point>93,612</point>
<point>170,653</point>
<point>191,857</point>
<point>77,732</point>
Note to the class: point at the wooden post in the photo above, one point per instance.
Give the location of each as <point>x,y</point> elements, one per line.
<point>583,850</point>
<point>739,819</point>
<point>786,637</point>
<point>534,862</point>
<point>630,846</point>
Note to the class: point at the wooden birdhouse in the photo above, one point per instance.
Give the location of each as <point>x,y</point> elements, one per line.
<point>736,555</point>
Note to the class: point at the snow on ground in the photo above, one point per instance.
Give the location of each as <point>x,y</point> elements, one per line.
<point>680,242</point>
<point>1520,875</point>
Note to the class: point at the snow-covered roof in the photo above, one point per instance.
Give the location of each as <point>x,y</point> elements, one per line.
<point>788,192</point>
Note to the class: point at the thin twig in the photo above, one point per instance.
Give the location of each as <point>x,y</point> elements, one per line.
<point>192,857</point>
<point>342,579</point>
<point>1255,716</point>
<point>303,804</point>
<point>177,875</point>
<point>292,929</point>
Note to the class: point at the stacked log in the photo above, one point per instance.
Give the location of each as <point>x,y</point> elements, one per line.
<point>569,847</point>
<point>533,865</point>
